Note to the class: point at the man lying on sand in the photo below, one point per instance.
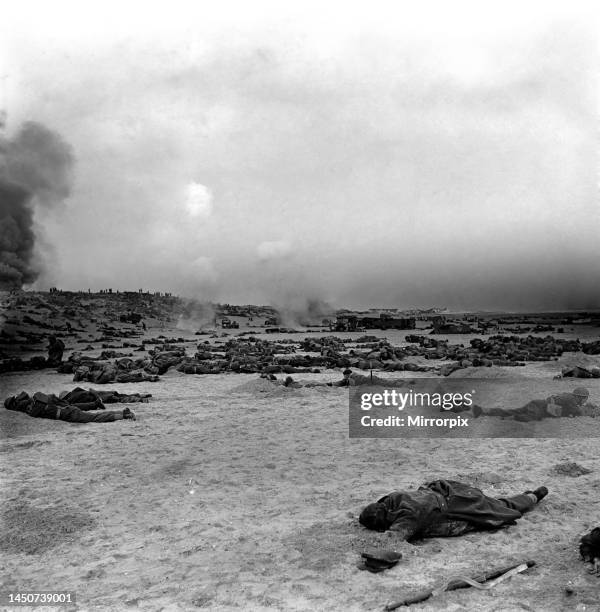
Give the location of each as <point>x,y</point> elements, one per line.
<point>347,380</point>
<point>445,508</point>
<point>350,379</point>
<point>372,379</point>
<point>561,405</point>
<point>290,382</point>
<point>80,396</point>
<point>44,406</point>
<point>579,372</point>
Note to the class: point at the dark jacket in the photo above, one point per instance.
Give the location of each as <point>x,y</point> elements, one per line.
<point>414,513</point>
<point>40,405</point>
<point>568,403</point>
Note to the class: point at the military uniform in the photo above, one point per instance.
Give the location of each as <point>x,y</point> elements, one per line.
<point>561,405</point>
<point>443,508</point>
<point>44,406</point>
<point>56,348</point>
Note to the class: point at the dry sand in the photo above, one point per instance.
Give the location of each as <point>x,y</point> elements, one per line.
<point>227,496</point>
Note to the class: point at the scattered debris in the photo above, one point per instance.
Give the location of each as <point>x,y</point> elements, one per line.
<point>33,530</point>
<point>569,468</point>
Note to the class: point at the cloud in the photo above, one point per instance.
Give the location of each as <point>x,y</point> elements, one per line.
<point>380,166</point>
<point>276,249</point>
<point>203,270</point>
<point>198,202</point>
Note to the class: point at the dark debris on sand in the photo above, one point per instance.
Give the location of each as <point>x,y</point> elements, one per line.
<point>570,468</point>
<point>33,530</point>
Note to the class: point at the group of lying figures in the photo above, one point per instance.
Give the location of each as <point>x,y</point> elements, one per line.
<point>88,406</point>
<point>440,508</point>
<point>252,355</point>
<point>76,406</point>
<point>444,508</point>
<point>573,404</point>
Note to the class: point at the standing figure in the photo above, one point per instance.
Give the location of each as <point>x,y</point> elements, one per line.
<point>56,348</point>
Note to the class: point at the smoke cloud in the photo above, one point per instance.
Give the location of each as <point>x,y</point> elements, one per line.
<point>300,310</point>
<point>298,296</point>
<point>196,315</point>
<point>35,171</point>
<point>16,236</point>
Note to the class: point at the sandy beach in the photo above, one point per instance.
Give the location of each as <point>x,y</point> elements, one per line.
<point>229,493</point>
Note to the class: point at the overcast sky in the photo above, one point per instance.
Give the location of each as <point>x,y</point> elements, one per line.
<point>398,154</point>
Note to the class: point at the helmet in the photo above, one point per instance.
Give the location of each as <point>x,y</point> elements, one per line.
<point>9,402</point>
<point>581,392</point>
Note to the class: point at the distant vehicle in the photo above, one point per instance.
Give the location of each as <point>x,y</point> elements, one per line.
<point>443,326</point>
<point>227,323</point>
<point>271,321</point>
<point>384,321</point>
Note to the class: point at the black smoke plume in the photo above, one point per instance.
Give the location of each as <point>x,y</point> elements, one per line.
<point>35,170</point>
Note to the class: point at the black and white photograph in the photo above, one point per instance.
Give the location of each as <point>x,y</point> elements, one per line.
<point>300,306</point>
